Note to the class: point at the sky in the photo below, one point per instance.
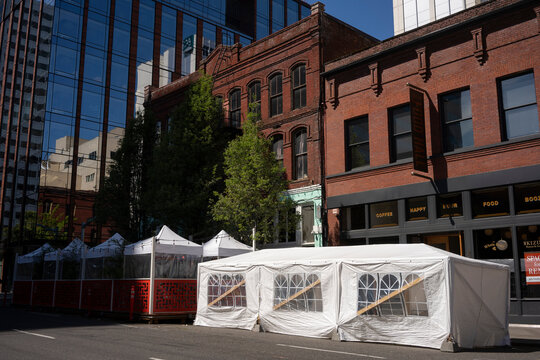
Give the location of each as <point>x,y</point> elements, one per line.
<point>373,17</point>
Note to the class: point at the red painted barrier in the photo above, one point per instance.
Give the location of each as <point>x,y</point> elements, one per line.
<point>67,294</point>
<point>175,295</point>
<point>42,293</point>
<point>122,294</point>
<point>22,292</point>
<point>96,295</point>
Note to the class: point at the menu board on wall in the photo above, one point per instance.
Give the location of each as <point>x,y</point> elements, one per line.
<point>532,268</point>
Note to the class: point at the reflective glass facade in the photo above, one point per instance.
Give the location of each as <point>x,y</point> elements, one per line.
<point>74,71</point>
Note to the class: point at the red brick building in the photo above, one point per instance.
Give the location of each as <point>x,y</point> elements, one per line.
<point>475,77</point>
<point>281,73</point>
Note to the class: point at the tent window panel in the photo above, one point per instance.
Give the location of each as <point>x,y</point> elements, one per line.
<point>415,297</point>
<point>227,290</point>
<point>367,293</point>
<point>394,305</point>
<point>298,292</point>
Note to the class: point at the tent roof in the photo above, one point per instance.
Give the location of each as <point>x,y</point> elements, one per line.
<point>361,254</point>
<point>167,242</point>
<point>28,258</point>
<point>224,244</point>
<point>73,250</point>
<point>111,247</point>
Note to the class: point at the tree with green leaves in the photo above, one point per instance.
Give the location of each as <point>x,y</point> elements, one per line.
<point>48,226</point>
<point>120,199</point>
<point>255,188</point>
<point>188,163</point>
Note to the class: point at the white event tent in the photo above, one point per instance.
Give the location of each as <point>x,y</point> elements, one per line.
<point>410,294</point>
<point>172,255</point>
<point>224,245</point>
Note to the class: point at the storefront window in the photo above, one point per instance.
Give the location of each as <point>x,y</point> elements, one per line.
<point>353,218</point>
<point>449,205</point>
<point>492,202</point>
<point>495,245</point>
<point>383,214</point>
<point>528,238</point>
<point>527,198</point>
<point>417,209</point>
<point>384,240</point>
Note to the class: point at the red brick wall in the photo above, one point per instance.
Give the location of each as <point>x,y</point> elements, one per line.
<point>512,44</point>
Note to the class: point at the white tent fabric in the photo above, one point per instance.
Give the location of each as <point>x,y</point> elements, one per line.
<point>32,257</point>
<point>224,245</point>
<point>167,242</point>
<point>411,294</point>
<point>73,251</point>
<point>111,247</point>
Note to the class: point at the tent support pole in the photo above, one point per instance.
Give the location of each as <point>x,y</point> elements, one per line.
<point>83,275</point>
<point>152,276</point>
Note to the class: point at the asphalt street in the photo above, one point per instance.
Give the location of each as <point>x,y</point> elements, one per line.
<point>26,334</point>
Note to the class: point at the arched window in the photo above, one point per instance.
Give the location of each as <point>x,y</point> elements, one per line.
<point>300,164</point>
<point>367,293</point>
<point>387,285</point>
<point>254,96</point>
<point>299,87</point>
<point>415,296</point>
<point>234,108</point>
<point>277,148</point>
<point>276,95</point>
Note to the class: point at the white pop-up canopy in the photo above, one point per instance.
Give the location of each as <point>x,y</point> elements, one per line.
<point>111,247</point>
<point>36,254</point>
<point>223,245</point>
<point>167,242</point>
<point>411,294</point>
<point>73,251</point>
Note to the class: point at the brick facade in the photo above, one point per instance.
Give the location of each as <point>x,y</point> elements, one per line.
<point>310,42</point>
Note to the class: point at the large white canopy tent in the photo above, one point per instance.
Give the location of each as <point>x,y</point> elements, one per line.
<point>24,265</point>
<point>175,257</point>
<point>100,262</point>
<point>410,294</point>
<point>224,245</point>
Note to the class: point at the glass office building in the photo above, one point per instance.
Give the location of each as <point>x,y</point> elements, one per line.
<point>74,71</point>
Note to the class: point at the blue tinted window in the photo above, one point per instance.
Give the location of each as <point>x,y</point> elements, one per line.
<point>145,46</point>
<point>101,6</point>
<point>117,108</point>
<point>94,66</point>
<point>119,73</point>
<point>146,15</point>
<point>122,10</point>
<point>121,38</point>
<point>292,12</point>
<point>167,54</point>
<point>306,11</point>
<point>68,24</point>
<point>168,23</point>
<point>97,29</point>
<point>263,18</point>
<point>188,44</point>
<point>278,15</point>
<point>92,101</point>
<point>209,39</point>
<point>66,60</point>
